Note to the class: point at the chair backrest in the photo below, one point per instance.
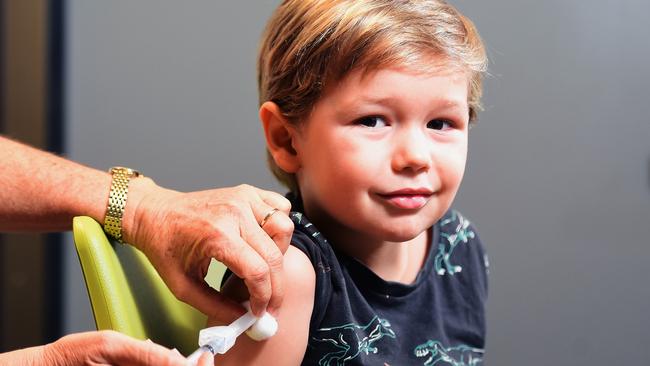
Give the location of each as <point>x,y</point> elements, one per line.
<point>127,294</point>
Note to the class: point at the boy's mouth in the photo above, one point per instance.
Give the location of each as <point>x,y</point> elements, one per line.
<point>407,199</point>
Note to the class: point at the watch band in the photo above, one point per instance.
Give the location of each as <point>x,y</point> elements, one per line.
<point>117,200</point>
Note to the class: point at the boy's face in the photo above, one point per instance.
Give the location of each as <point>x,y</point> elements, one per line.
<point>383,154</point>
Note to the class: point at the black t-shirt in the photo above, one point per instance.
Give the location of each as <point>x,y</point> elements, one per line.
<point>360,319</point>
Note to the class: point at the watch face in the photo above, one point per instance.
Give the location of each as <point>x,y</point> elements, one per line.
<point>128,171</point>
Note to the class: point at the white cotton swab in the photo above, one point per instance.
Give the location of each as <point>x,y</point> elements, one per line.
<point>220,339</point>
<point>265,327</point>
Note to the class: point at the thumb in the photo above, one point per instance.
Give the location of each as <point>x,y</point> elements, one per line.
<point>207,359</point>
<point>128,351</point>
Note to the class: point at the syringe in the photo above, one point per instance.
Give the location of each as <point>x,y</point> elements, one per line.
<point>220,339</point>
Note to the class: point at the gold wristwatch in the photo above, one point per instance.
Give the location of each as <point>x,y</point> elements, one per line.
<point>117,200</point>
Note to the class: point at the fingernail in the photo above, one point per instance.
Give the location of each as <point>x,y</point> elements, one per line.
<point>258,311</point>
<point>174,350</point>
<point>273,312</point>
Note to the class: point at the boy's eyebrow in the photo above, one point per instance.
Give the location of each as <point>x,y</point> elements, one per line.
<point>446,104</point>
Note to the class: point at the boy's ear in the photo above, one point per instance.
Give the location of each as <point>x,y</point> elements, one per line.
<point>280,135</point>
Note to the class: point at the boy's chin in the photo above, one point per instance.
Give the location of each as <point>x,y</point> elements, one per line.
<point>402,233</point>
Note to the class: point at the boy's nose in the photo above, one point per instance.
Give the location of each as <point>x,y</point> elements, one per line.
<point>412,151</point>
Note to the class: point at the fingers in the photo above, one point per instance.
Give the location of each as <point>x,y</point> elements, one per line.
<point>277,226</point>
<point>228,230</point>
<point>275,200</point>
<point>273,258</point>
<point>127,351</point>
<point>280,228</point>
<point>276,222</point>
<point>254,258</point>
<point>206,359</point>
<point>110,348</point>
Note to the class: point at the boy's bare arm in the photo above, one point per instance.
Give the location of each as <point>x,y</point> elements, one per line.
<point>288,345</point>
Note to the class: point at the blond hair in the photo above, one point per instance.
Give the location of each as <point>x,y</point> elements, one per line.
<point>309,45</point>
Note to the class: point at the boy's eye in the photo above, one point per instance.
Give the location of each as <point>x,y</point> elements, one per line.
<point>373,121</point>
<point>438,124</point>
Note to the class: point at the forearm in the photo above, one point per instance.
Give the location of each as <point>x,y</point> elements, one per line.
<point>43,192</point>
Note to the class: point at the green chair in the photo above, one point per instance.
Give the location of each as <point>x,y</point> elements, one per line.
<point>127,294</point>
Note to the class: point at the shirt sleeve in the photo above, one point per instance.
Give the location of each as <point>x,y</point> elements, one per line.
<point>323,270</point>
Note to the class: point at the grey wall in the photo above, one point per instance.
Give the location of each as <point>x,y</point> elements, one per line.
<point>558,180</point>
<point>167,87</point>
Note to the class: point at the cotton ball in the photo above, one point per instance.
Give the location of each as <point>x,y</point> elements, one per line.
<point>265,327</point>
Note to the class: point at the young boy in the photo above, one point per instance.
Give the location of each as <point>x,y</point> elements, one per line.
<point>366,107</point>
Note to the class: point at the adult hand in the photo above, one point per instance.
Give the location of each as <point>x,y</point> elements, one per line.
<point>180,232</point>
<point>99,348</point>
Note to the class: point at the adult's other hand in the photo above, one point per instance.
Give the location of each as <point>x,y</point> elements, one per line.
<point>99,348</point>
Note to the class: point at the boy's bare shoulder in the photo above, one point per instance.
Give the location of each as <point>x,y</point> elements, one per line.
<point>287,346</point>
<point>297,262</point>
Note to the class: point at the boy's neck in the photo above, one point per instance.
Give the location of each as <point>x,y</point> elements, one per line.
<point>392,261</point>
<point>396,262</point>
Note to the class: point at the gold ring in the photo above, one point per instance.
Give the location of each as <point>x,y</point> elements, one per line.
<point>268,216</point>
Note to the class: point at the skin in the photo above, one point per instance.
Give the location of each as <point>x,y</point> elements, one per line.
<point>179,232</point>
<point>221,224</point>
<point>383,136</point>
<point>378,162</point>
<point>99,348</point>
